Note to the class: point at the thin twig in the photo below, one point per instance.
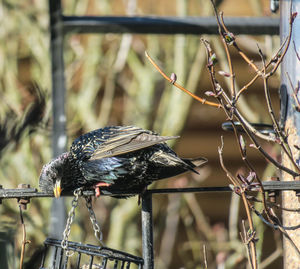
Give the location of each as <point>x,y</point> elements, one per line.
<point>24,241</point>
<point>244,238</point>
<point>246,86</point>
<point>295,49</point>
<point>263,152</point>
<point>253,258</point>
<point>242,149</point>
<point>292,17</point>
<point>258,74</point>
<point>271,258</point>
<point>277,129</point>
<point>272,225</point>
<point>205,256</point>
<point>271,204</point>
<point>232,74</point>
<point>280,135</point>
<point>246,126</point>
<point>201,100</point>
<point>218,90</point>
<point>294,91</point>
<point>224,31</point>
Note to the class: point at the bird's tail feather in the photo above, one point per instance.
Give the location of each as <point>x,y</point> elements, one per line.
<point>195,163</point>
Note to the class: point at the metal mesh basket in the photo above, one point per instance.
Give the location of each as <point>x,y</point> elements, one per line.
<point>86,256</point>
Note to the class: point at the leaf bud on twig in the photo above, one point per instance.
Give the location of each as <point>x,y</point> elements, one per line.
<point>224,74</point>
<point>173,78</point>
<point>229,38</point>
<point>243,145</point>
<point>293,17</point>
<point>209,93</point>
<point>212,60</point>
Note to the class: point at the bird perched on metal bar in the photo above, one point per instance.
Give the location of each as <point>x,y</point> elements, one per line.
<point>116,158</point>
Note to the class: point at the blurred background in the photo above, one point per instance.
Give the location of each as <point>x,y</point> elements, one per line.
<point>110,82</point>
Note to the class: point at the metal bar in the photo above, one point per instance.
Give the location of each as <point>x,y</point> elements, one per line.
<point>33,193</point>
<point>91,262</point>
<point>60,257</point>
<point>43,257</point>
<point>168,25</point>
<point>194,190</point>
<point>104,263</point>
<point>59,140</point>
<point>268,186</point>
<point>54,257</point>
<point>147,232</point>
<point>105,252</point>
<point>65,263</point>
<point>78,261</point>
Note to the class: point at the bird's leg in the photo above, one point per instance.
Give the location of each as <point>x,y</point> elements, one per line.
<point>97,187</point>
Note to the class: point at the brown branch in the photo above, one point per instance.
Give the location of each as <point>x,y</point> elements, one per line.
<point>251,132</point>
<point>201,100</point>
<point>271,258</point>
<point>274,59</point>
<point>218,90</point>
<point>280,135</point>
<point>242,149</point>
<point>246,126</point>
<point>295,49</point>
<point>205,256</point>
<point>246,86</point>
<point>251,241</point>
<point>224,32</point>
<point>292,17</point>
<point>263,152</point>
<point>244,238</point>
<point>24,241</point>
<point>225,44</point>
<point>294,91</point>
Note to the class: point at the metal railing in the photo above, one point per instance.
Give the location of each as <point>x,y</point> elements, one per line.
<point>24,193</point>
<point>61,25</point>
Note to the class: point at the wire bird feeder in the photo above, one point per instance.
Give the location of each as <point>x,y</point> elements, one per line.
<point>67,253</point>
<point>97,257</point>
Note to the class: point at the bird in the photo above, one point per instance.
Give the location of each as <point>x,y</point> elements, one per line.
<point>114,158</point>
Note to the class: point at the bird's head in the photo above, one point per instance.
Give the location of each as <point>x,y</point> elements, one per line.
<point>51,177</point>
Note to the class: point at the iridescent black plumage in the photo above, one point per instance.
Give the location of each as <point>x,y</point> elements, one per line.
<point>127,158</point>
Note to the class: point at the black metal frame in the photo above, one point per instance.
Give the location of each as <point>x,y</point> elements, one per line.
<point>61,25</point>
<point>28,192</point>
<point>167,25</point>
<point>25,193</point>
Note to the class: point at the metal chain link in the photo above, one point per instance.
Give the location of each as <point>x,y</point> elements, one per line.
<point>66,233</point>
<point>96,227</point>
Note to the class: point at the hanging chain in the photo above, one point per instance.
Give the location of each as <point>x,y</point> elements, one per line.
<point>66,233</point>
<point>96,227</point>
<point>71,216</point>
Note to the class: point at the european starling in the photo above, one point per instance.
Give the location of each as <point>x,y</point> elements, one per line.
<point>114,158</point>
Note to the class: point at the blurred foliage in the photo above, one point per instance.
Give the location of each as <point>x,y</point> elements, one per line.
<point>108,83</point>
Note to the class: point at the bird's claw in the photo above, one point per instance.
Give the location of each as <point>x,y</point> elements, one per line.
<point>97,188</point>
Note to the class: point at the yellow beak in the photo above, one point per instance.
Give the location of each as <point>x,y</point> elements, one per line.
<point>57,189</point>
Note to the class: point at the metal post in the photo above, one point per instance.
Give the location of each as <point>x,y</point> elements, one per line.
<point>59,139</point>
<point>147,232</point>
<point>290,119</point>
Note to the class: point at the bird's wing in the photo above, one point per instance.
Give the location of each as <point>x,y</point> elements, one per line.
<point>127,141</point>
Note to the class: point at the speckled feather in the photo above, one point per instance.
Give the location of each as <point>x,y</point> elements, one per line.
<point>128,158</point>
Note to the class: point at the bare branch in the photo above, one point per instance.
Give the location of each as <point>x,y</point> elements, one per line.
<point>203,101</point>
